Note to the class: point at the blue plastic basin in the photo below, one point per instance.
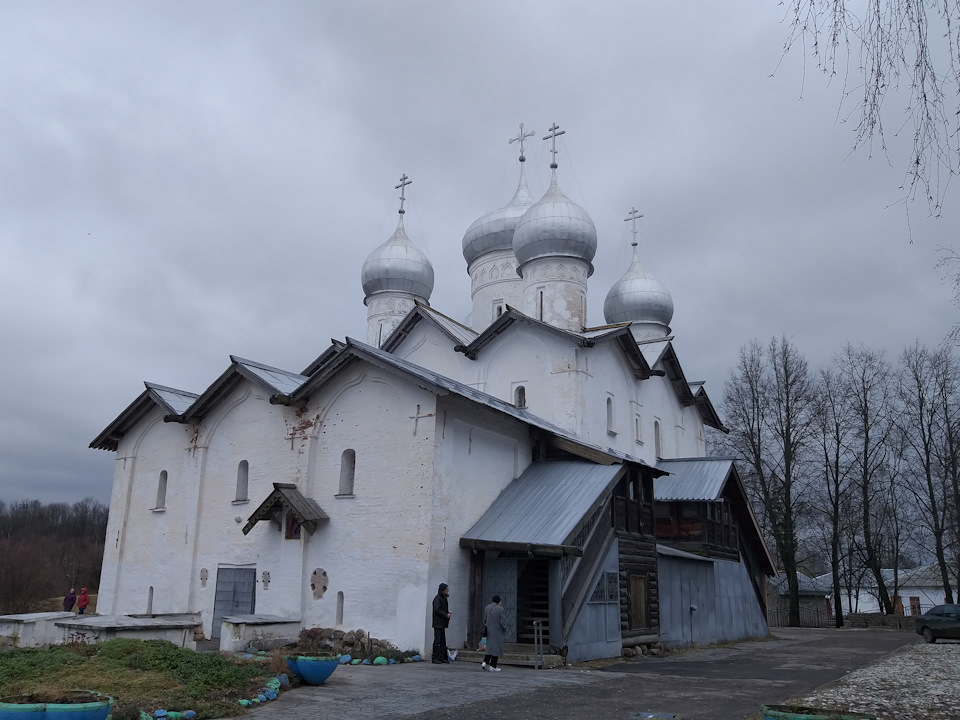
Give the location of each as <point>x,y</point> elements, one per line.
<point>313,671</point>
<point>88,706</point>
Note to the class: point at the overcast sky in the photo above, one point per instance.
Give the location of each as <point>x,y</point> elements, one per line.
<point>183,181</point>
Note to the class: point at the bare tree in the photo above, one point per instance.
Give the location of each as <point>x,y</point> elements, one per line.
<point>920,424</point>
<point>834,428</point>
<point>768,405</point>
<point>866,381</point>
<point>897,47</point>
<point>948,452</point>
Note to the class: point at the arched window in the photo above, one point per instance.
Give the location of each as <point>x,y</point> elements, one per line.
<point>610,415</point>
<point>637,435</point>
<point>520,396</point>
<point>499,310</point>
<point>348,468</point>
<point>657,439</point>
<point>161,490</point>
<point>243,475</point>
<point>340,608</point>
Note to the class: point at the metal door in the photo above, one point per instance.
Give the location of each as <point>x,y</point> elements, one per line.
<point>236,595</point>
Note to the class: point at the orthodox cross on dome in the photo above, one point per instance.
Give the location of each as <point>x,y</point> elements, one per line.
<point>633,216</point>
<point>520,138</point>
<point>555,131</point>
<point>404,181</point>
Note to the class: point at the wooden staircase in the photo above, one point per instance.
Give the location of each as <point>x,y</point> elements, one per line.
<point>533,601</point>
<point>515,654</point>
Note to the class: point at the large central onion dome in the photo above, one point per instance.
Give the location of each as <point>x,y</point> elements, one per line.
<point>638,297</point>
<point>397,266</point>
<point>494,231</point>
<point>555,226</point>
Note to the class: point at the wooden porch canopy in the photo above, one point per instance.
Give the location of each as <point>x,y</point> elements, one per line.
<point>286,497</point>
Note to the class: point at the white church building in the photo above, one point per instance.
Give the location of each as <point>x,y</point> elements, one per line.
<point>516,454</point>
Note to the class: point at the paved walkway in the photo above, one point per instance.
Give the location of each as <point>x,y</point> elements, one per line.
<point>727,683</point>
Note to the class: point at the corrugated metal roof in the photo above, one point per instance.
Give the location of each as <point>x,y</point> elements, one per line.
<point>692,479</point>
<point>545,507</point>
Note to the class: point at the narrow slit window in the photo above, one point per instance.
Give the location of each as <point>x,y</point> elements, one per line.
<point>520,396</point>
<point>243,476</point>
<point>348,469</point>
<point>610,415</point>
<point>162,490</point>
<point>657,439</point>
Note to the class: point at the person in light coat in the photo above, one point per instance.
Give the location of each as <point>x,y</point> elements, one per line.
<point>496,624</point>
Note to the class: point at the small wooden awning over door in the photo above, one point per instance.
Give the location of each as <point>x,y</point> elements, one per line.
<point>286,497</point>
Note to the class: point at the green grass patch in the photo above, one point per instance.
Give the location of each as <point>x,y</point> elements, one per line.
<point>138,674</point>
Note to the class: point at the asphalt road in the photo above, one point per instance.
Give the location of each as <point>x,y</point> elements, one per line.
<point>724,683</point>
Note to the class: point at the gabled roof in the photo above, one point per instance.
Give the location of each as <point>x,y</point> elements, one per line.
<point>271,379</point>
<point>513,318</point>
<point>707,411</point>
<point>694,479</point>
<point>354,351</point>
<point>285,496</point>
<point>335,347</point>
<point>459,334</point>
<point>542,511</point>
<point>170,400</point>
<point>817,586</point>
<point>709,479</point>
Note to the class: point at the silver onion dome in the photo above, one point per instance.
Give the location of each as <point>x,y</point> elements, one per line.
<point>638,297</point>
<point>397,266</point>
<point>555,226</point>
<point>494,231</point>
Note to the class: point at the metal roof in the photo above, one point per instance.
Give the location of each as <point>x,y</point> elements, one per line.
<point>170,401</point>
<point>806,585</point>
<point>700,479</point>
<point>543,509</point>
<point>176,400</point>
<point>281,381</point>
<point>673,552</point>
<point>458,334</point>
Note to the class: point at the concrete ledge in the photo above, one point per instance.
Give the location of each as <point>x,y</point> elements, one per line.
<point>31,630</point>
<point>177,629</point>
<point>264,632</point>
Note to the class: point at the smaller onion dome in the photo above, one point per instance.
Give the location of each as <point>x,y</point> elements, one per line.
<point>638,297</point>
<point>494,231</point>
<point>397,266</point>
<point>555,226</point>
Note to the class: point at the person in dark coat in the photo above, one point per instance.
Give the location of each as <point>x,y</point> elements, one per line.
<point>69,600</point>
<point>496,624</point>
<point>441,619</point>
<point>82,601</point>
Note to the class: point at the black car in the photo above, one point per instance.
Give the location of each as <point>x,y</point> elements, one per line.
<point>940,621</point>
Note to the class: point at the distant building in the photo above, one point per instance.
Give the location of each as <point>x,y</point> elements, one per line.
<point>816,609</point>
<point>917,590</point>
<point>516,455</point>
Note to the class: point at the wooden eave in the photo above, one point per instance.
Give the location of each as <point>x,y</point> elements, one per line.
<point>527,549</point>
<point>286,497</point>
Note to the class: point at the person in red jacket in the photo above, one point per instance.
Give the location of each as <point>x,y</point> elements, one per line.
<point>82,601</point>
